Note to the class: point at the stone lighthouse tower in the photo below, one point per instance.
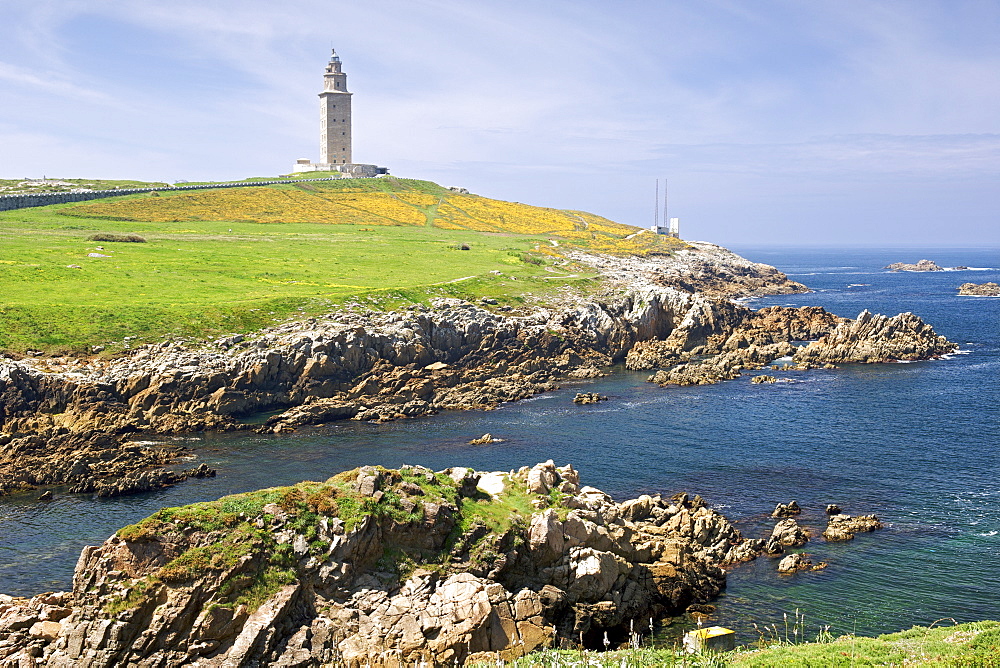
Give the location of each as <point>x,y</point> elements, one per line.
<point>335,129</point>
<point>335,116</point>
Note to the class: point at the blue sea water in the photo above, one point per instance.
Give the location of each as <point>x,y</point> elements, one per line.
<point>917,444</point>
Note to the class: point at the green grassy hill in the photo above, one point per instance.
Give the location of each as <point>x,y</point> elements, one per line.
<point>234,260</point>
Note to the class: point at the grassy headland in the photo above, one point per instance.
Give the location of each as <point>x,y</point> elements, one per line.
<point>235,260</point>
<point>970,645</point>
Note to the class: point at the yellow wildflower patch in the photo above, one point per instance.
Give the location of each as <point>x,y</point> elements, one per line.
<point>398,202</point>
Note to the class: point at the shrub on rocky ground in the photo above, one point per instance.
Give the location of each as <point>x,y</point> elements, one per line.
<point>108,236</point>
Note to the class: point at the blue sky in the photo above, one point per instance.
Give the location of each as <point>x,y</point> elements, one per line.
<point>869,122</point>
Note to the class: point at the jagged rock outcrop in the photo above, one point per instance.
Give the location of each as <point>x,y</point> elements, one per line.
<point>843,527</point>
<point>790,509</point>
<point>734,338</point>
<point>921,265</point>
<point>588,398</point>
<point>92,461</point>
<point>798,561</point>
<point>794,562</point>
<point>875,338</point>
<point>979,289</point>
<point>751,340</point>
<point>724,366</point>
<point>701,267</point>
<point>378,568</point>
<point>786,533</point>
<point>652,354</point>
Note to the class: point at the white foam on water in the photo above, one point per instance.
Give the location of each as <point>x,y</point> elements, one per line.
<point>988,533</point>
<point>537,397</point>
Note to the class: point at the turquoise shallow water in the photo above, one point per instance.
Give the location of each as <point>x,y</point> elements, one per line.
<point>916,444</point>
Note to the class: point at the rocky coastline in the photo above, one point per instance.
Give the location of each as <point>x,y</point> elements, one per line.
<point>104,425</point>
<point>378,567</point>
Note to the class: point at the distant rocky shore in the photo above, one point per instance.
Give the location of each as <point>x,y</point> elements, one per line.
<point>106,426</point>
<point>979,289</point>
<point>378,567</point>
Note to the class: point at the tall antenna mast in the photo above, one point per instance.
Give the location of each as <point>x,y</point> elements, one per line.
<point>656,207</point>
<point>666,221</point>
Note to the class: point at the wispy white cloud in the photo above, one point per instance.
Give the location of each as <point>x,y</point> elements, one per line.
<point>52,83</point>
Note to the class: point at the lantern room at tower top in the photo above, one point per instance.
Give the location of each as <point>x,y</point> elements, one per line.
<point>335,148</point>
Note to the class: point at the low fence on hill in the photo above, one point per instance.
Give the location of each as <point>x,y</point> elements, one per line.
<point>23,201</point>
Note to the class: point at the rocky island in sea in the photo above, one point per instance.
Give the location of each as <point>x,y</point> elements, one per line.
<point>922,265</point>
<point>988,289</point>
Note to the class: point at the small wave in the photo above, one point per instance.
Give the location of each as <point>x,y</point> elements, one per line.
<point>988,533</point>
<point>949,356</point>
<point>146,443</point>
